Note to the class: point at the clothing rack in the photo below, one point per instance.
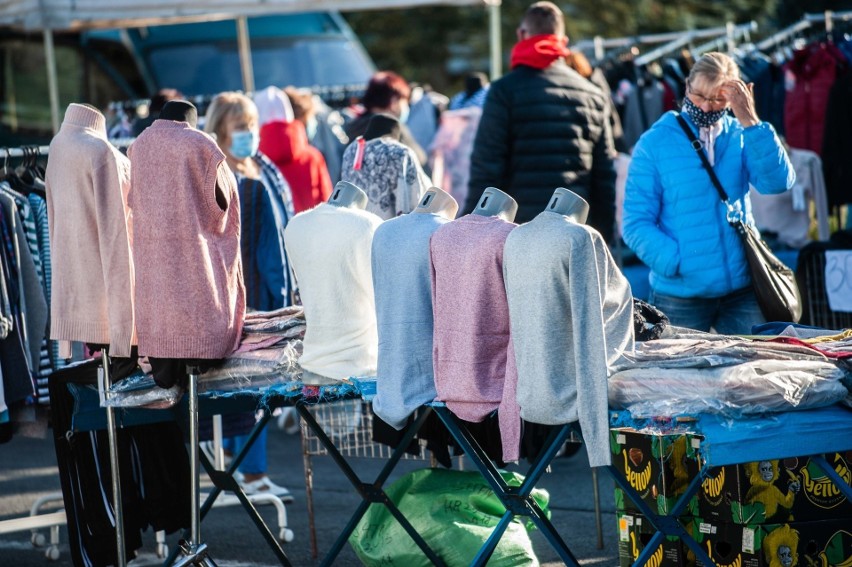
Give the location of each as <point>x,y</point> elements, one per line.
<point>21,152</point>
<point>34,521</point>
<point>728,32</point>
<point>728,41</point>
<point>600,44</point>
<point>54,520</point>
<point>808,20</point>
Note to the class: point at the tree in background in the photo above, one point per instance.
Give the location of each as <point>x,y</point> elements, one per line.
<point>438,45</point>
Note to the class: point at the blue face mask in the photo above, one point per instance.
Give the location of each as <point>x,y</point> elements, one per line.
<point>244,143</point>
<point>403,113</point>
<point>699,117</point>
<point>312,127</point>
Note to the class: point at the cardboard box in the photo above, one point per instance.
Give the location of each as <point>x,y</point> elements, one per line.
<point>634,532</point>
<point>659,467</point>
<point>775,492</point>
<point>805,544</point>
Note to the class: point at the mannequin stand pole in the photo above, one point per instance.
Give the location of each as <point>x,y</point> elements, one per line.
<point>121,558</point>
<point>193,551</point>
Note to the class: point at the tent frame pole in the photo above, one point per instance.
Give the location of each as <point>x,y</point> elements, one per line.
<point>52,82</point>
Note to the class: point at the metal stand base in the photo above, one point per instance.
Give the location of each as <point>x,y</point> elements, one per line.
<point>112,432</point>
<point>193,555</point>
<point>193,551</point>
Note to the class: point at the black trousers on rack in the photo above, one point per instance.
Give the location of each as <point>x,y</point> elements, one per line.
<point>154,476</point>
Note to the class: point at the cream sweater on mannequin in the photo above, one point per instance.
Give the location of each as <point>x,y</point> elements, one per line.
<point>330,250</point>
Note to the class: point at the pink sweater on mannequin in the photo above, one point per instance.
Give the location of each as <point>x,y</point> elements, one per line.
<point>87,182</point>
<point>190,298</point>
<point>472,351</point>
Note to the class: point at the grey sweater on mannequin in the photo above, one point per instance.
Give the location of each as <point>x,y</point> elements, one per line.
<point>571,314</point>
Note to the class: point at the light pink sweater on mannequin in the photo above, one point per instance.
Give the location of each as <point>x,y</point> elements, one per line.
<point>190,298</point>
<point>87,182</point>
<point>475,370</point>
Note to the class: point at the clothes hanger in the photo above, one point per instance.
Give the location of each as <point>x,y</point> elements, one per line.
<point>4,175</point>
<point>27,178</point>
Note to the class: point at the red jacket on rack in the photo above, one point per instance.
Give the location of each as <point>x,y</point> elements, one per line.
<point>286,144</point>
<point>813,71</point>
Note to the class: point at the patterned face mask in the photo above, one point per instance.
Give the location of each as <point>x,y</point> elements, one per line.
<point>699,117</point>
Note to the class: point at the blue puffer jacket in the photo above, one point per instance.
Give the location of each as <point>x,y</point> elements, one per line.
<point>673,217</point>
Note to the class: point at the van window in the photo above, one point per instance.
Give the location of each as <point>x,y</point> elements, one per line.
<point>303,50</point>
<point>214,67</point>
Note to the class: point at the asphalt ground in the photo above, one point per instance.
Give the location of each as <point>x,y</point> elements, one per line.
<point>28,472</point>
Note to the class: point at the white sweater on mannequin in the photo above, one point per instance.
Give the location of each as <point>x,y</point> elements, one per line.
<point>330,250</point>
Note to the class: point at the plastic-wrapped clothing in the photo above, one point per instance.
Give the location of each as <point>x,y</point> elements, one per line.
<point>754,387</point>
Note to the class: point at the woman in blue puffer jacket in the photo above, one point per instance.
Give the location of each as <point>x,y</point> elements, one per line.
<point>675,220</point>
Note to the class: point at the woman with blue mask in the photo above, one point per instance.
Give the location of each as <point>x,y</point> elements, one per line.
<point>266,204</point>
<point>674,218</point>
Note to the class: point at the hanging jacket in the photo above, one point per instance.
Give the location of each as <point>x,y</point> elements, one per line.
<point>837,141</point>
<point>286,144</point>
<point>675,220</point>
<point>812,72</point>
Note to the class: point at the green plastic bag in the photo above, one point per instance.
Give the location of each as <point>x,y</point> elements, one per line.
<point>454,512</point>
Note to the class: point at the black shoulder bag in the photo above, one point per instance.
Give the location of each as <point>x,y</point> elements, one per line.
<point>774,283</point>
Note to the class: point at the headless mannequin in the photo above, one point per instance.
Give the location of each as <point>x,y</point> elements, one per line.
<point>496,203</point>
<point>566,202</point>
<point>170,371</point>
<point>180,111</point>
<point>184,111</point>
<point>439,202</point>
<point>347,194</point>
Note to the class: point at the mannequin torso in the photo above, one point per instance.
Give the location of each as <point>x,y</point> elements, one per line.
<point>347,194</point>
<point>180,111</point>
<point>439,202</point>
<point>566,202</point>
<point>496,203</point>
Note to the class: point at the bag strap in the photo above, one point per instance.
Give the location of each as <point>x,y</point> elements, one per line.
<point>696,145</point>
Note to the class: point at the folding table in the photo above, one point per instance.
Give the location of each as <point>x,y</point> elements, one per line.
<point>728,441</point>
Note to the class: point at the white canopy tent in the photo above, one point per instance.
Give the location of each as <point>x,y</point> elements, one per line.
<point>75,15</point>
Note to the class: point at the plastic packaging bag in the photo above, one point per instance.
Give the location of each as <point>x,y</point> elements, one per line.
<point>455,513</point>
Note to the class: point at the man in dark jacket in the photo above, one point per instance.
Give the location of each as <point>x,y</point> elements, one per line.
<point>544,126</point>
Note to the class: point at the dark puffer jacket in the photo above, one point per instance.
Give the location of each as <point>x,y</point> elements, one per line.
<point>543,129</point>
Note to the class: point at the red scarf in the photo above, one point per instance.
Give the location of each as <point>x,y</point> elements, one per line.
<point>539,51</point>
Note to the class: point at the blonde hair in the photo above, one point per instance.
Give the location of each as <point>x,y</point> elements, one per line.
<point>714,67</point>
<point>227,105</point>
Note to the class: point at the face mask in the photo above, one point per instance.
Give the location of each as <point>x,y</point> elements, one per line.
<point>244,143</point>
<point>311,128</point>
<point>404,111</point>
<point>699,117</point>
